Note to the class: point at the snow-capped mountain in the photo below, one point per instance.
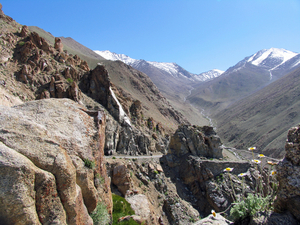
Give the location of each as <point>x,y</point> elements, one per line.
<point>166,68</point>
<point>273,59</point>
<point>208,75</point>
<point>114,57</point>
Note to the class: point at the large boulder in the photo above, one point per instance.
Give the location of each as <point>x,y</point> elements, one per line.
<point>288,175</point>
<point>197,141</point>
<point>52,163</point>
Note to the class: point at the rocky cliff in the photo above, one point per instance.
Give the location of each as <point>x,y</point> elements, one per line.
<point>288,198</point>
<point>31,68</point>
<point>51,163</point>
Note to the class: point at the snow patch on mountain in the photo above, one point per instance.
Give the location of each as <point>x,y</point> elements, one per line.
<point>208,75</point>
<point>172,69</point>
<point>274,55</point>
<point>114,56</point>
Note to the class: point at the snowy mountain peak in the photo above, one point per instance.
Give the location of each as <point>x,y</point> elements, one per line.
<point>211,74</point>
<point>114,56</point>
<point>271,58</point>
<point>172,69</point>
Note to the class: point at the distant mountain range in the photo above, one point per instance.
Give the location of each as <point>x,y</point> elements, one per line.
<point>255,102</point>
<point>245,78</point>
<point>274,60</point>
<point>252,103</point>
<point>263,118</point>
<point>171,69</point>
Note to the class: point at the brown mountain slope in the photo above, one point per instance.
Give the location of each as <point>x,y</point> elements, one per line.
<point>72,46</point>
<point>263,119</point>
<point>139,86</point>
<point>36,65</point>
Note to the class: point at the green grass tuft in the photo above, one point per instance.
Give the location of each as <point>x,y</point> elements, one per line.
<point>122,208</point>
<point>100,215</point>
<point>89,163</point>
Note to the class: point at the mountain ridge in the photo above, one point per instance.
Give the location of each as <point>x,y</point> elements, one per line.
<point>170,68</point>
<point>244,78</point>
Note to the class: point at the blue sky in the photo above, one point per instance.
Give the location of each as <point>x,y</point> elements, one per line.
<point>199,35</point>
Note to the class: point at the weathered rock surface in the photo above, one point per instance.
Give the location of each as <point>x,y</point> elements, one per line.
<point>140,204</point>
<point>121,178</point>
<point>58,45</point>
<point>199,176</point>
<point>151,193</point>
<point>217,220</point>
<point>44,177</point>
<point>288,175</point>
<point>208,188</point>
<point>198,141</point>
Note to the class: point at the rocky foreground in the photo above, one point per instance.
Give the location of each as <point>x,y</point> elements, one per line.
<point>58,118</point>
<point>53,170</point>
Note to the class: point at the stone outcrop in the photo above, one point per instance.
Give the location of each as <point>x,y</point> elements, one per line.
<point>197,141</point>
<point>150,192</point>
<point>121,178</point>
<point>217,220</point>
<point>200,177</point>
<point>24,32</point>
<point>52,166</point>
<point>288,175</point>
<point>190,158</point>
<point>58,45</point>
<point>140,204</point>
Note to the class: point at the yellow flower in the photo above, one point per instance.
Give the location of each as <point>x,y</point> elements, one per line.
<point>252,148</point>
<point>256,161</point>
<point>273,172</point>
<point>242,174</point>
<point>228,169</point>
<point>213,212</point>
<point>272,163</point>
<point>261,155</point>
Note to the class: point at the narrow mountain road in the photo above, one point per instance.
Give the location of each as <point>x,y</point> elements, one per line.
<point>134,157</point>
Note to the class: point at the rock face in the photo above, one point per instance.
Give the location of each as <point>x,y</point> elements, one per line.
<point>51,163</point>
<point>58,45</point>
<point>288,175</point>
<point>217,220</point>
<point>187,160</point>
<point>197,141</point>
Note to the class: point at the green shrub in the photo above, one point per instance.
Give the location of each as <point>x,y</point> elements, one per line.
<point>122,208</point>
<point>100,215</point>
<point>156,172</point>
<point>89,163</point>
<point>21,43</point>
<point>249,207</point>
<point>100,178</point>
<point>70,80</point>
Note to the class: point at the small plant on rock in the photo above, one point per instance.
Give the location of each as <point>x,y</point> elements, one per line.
<point>121,208</point>
<point>256,202</point>
<point>70,80</point>
<point>100,215</point>
<point>249,206</point>
<point>89,163</point>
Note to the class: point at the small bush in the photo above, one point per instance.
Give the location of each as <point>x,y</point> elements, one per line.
<point>70,80</point>
<point>122,208</point>
<point>21,43</point>
<point>156,172</point>
<point>249,207</point>
<point>100,178</point>
<point>100,215</point>
<point>89,163</point>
